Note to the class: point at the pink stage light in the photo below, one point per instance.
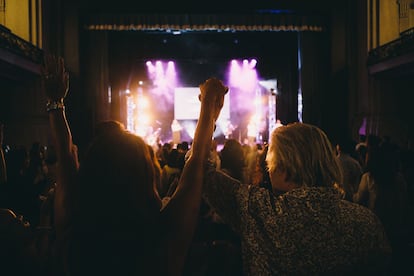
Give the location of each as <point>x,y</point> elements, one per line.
<point>170,74</point>
<point>234,73</point>
<point>253,63</point>
<point>164,79</point>
<point>150,68</point>
<point>158,68</point>
<point>245,76</point>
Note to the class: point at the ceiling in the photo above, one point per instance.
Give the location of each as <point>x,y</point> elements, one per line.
<point>131,48</point>
<point>217,6</point>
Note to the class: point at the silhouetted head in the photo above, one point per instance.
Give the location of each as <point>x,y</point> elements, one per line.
<point>109,126</point>
<point>116,179</point>
<point>346,145</point>
<point>183,146</point>
<point>232,158</point>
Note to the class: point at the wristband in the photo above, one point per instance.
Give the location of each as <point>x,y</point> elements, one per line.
<point>54,105</point>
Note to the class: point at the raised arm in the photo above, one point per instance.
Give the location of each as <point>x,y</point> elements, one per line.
<point>180,215</point>
<point>56,86</point>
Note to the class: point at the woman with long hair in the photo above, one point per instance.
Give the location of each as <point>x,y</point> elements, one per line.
<point>109,219</point>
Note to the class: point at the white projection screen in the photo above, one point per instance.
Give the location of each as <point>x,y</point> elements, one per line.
<point>187,105</point>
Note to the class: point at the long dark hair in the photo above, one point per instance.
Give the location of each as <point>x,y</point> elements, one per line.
<point>116,210</point>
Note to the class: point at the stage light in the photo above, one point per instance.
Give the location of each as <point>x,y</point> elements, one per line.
<point>150,68</point>
<point>247,96</point>
<point>258,102</point>
<point>142,102</point>
<point>234,73</point>
<point>253,63</point>
<point>161,83</point>
<point>143,120</point>
<point>251,130</point>
<point>170,75</point>
<point>300,105</point>
<point>130,114</point>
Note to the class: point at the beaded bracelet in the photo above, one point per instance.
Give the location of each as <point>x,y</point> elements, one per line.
<point>54,105</point>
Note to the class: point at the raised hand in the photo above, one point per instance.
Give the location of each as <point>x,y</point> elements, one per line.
<point>55,78</point>
<point>212,93</point>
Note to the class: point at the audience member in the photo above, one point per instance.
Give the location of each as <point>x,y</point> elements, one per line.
<point>308,229</point>
<point>26,250</point>
<point>361,150</point>
<point>351,169</point>
<point>183,147</point>
<point>233,160</point>
<point>108,216</point>
<point>251,154</point>
<point>163,152</point>
<point>170,173</point>
<point>157,167</point>
<point>383,189</point>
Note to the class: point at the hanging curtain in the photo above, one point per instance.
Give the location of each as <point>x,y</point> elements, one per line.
<point>206,22</point>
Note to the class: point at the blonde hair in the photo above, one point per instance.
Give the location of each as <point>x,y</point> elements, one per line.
<point>305,154</point>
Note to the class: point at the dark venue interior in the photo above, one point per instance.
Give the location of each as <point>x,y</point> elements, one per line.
<point>342,84</point>
<point>351,61</point>
<point>338,79</point>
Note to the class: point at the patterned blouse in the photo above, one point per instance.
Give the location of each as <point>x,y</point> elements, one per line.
<point>306,231</point>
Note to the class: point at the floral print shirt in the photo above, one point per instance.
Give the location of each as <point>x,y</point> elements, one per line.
<point>306,231</point>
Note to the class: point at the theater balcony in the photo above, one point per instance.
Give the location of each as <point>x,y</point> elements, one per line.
<point>19,59</point>
<point>21,101</point>
<point>393,59</point>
